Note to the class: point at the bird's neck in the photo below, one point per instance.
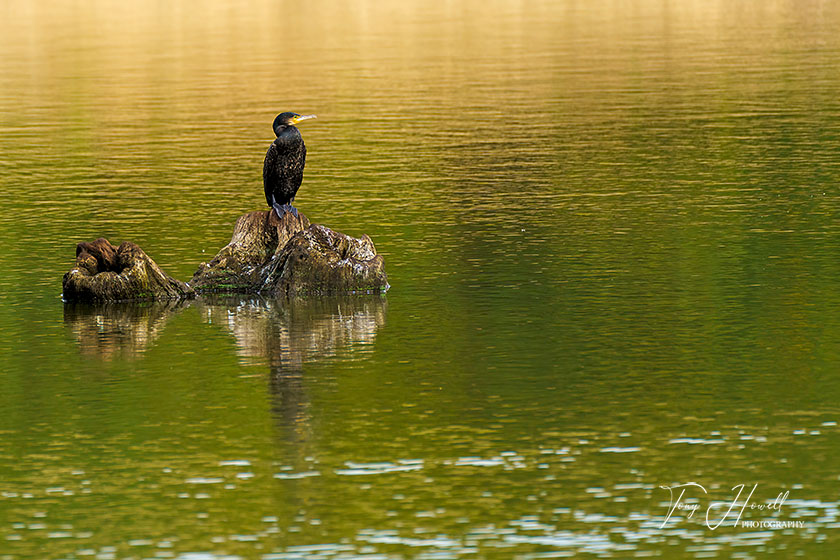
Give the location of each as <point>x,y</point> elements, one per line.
<point>284,129</point>
<point>287,133</point>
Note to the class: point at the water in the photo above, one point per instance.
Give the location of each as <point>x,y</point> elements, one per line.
<point>611,234</point>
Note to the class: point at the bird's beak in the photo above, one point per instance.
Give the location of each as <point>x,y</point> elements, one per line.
<point>299,118</point>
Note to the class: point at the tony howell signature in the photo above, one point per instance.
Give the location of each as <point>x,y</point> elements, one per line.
<point>714,519</point>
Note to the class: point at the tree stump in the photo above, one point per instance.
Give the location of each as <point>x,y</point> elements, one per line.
<point>266,255</point>
<point>125,273</point>
<point>290,257</point>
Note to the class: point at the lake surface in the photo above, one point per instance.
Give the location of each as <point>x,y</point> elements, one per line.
<point>611,231</point>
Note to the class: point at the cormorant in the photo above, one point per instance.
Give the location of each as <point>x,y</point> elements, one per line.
<point>284,161</point>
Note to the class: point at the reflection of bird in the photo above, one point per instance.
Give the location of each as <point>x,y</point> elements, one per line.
<point>284,161</point>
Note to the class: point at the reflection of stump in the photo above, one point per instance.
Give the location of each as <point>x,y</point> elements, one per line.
<point>118,330</point>
<point>289,333</point>
<point>288,256</point>
<point>107,273</point>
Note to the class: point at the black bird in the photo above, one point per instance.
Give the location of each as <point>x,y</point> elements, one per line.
<point>284,161</point>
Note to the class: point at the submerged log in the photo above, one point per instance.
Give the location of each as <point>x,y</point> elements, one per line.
<point>125,273</point>
<point>288,256</point>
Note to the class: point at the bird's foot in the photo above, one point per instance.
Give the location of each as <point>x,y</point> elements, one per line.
<point>282,209</point>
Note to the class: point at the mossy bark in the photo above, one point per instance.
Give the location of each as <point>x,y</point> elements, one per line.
<point>237,268</point>
<point>319,260</point>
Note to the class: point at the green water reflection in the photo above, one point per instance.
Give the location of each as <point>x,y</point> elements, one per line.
<point>611,234</point>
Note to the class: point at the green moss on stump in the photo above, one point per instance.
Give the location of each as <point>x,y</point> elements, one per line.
<point>319,260</point>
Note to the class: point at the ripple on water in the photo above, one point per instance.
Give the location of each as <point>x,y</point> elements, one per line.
<point>204,480</point>
<point>390,537</point>
<point>402,465</point>
<point>479,462</point>
<point>697,441</point>
<point>235,463</point>
<point>590,542</point>
<point>308,552</point>
<point>296,475</point>
<point>206,556</point>
<point>508,460</point>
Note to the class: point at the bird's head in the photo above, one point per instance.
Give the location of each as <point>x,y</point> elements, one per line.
<point>288,118</point>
